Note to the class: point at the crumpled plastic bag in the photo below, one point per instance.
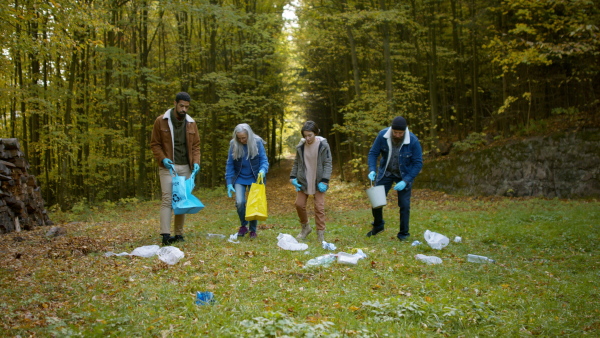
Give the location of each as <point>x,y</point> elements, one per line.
<point>324,260</point>
<point>346,258</point>
<point>436,240</point>
<point>170,254</point>
<point>142,251</point>
<point>233,238</point>
<point>329,246</point>
<point>428,259</point>
<point>288,242</point>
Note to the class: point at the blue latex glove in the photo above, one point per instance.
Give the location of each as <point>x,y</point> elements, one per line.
<point>261,174</point>
<point>296,184</point>
<point>168,163</point>
<point>196,168</point>
<point>400,186</point>
<point>372,176</point>
<point>230,189</point>
<point>322,187</point>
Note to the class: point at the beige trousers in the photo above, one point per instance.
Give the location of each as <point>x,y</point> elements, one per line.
<point>165,206</point>
<point>301,199</point>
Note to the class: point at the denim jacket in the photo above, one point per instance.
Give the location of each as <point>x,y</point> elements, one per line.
<point>258,162</point>
<point>411,155</point>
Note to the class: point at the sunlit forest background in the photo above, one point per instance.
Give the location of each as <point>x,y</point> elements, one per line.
<point>82,81</point>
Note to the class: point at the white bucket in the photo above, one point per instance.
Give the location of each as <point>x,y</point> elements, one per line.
<point>377,196</point>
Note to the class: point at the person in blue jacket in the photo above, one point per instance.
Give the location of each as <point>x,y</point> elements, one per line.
<point>246,162</point>
<point>401,161</point>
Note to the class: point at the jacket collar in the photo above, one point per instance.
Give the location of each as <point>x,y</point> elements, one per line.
<point>388,135</point>
<point>167,116</point>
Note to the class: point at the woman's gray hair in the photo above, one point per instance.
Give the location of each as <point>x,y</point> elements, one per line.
<point>238,148</point>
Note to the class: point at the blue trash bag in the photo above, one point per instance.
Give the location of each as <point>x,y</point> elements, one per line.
<point>183,201</point>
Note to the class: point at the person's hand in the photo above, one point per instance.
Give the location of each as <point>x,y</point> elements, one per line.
<point>400,186</point>
<point>372,176</point>
<point>196,168</point>
<point>296,184</point>
<point>230,189</point>
<point>261,174</point>
<point>322,187</point>
<point>168,163</point>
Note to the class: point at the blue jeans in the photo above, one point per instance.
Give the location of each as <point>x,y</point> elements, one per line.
<point>403,203</point>
<point>240,204</point>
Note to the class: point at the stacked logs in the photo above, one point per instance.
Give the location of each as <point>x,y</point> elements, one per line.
<point>21,202</point>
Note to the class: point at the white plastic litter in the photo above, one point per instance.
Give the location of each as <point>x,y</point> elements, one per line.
<point>360,254</point>
<point>346,258</point>
<point>329,246</point>
<point>415,243</point>
<point>324,260</point>
<point>170,254</point>
<point>145,251</point>
<point>436,240</point>
<point>233,238</point>
<point>288,242</point>
<point>215,236</point>
<point>142,251</point>
<point>110,253</point>
<point>457,239</point>
<point>429,259</point>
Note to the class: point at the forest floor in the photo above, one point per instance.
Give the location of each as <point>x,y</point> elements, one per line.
<point>544,281</point>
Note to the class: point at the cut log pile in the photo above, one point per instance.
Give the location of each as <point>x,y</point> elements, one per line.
<point>21,202</point>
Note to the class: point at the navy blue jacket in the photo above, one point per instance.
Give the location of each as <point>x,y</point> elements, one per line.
<point>258,162</point>
<point>411,155</point>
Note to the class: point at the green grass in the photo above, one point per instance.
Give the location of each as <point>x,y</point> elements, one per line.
<point>545,281</point>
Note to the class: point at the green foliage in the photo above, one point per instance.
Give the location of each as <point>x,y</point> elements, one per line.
<point>472,142</point>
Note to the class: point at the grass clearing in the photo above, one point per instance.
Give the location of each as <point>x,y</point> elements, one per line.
<point>545,281</point>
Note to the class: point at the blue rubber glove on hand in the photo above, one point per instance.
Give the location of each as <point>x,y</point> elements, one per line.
<point>322,187</point>
<point>196,168</point>
<point>400,186</point>
<point>230,189</point>
<point>372,176</point>
<point>261,174</point>
<point>296,184</point>
<point>168,163</point>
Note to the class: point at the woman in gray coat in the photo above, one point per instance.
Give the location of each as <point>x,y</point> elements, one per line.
<point>310,175</point>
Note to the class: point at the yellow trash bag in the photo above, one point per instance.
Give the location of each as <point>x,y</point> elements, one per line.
<point>256,205</point>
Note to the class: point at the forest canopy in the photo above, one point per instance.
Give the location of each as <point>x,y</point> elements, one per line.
<point>82,81</point>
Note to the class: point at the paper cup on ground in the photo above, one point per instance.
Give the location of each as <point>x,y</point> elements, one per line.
<point>377,196</point>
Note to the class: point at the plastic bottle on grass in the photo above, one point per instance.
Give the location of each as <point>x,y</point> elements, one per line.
<point>479,259</point>
<point>429,259</point>
<point>324,260</point>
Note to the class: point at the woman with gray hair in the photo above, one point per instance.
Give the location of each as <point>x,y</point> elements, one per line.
<point>246,162</point>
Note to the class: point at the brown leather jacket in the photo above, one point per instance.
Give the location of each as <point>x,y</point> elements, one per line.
<point>162,139</point>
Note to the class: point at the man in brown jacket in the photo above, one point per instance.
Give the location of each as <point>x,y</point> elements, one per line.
<point>175,144</point>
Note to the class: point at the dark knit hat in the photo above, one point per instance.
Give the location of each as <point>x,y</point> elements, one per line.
<point>399,123</point>
<point>183,96</point>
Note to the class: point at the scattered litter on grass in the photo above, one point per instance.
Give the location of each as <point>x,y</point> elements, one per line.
<point>288,242</point>
<point>428,259</point>
<point>215,235</point>
<point>342,258</point>
<point>457,239</point>
<point>324,260</point>
<point>415,243</point>
<point>170,254</point>
<point>233,238</point>
<point>436,240</point>
<point>479,259</point>
<point>329,246</point>
<point>143,251</point>
<point>205,298</point>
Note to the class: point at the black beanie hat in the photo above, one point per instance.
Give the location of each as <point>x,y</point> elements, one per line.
<point>183,96</point>
<point>399,123</point>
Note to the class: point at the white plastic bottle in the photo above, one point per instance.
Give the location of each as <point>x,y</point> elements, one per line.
<point>479,259</point>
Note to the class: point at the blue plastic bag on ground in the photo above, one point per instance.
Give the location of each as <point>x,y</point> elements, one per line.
<point>183,201</point>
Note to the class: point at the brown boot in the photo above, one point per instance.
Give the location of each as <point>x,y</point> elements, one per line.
<point>306,229</point>
<point>320,235</point>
